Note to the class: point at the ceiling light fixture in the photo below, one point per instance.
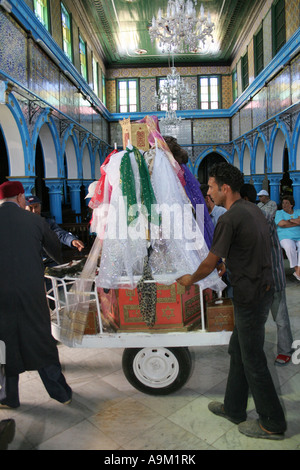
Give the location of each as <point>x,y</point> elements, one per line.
<point>181,31</point>
<point>140,51</point>
<point>174,94</point>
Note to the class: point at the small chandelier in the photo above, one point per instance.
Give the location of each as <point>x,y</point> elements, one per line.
<point>174,95</point>
<point>170,119</point>
<point>181,31</point>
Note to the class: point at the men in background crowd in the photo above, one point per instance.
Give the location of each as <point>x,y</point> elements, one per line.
<point>214,211</point>
<point>24,314</point>
<point>265,203</point>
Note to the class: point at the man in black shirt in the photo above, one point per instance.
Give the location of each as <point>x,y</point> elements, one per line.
<point>242,238</point>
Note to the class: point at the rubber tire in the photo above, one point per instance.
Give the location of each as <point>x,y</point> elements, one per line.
<point>184,365</point>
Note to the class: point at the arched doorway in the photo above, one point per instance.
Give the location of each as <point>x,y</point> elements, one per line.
<point>4,167</point>
<point>41,191</point>
<point>207,162</point>
<point>286,184</point>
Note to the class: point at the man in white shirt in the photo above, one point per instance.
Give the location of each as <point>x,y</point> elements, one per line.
<point>214,211</point>
<point>265,203</point>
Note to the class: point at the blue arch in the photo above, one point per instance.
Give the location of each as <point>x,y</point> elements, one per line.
<point>279,125</point>
<point>237,150</point>
<point>44,118</point>
<point>69,133</point>
<point>8,160</point>
<point>246,143</point>
<point>14,107</point>
<point>295,142</point>
<point>259,136</point>
<point>206,152</point>
<point>87,143</point>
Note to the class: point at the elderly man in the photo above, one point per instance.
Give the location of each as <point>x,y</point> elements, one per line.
<point>265,203</point>
<point>24,314</point>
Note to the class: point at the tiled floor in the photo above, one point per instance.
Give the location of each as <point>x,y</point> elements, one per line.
<point>107,413</point>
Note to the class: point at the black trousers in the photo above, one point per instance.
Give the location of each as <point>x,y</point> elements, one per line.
<point>53,380</point>
<point>249,369</point>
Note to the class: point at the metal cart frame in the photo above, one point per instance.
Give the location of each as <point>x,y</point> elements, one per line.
<point>149,355</point>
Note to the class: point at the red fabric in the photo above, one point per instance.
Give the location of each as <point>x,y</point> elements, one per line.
<point>97,199</point>
<point>11,189</point>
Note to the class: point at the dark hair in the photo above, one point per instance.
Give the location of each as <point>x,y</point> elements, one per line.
<point>290,198</point>
<point>204,189</point>
<point>249,191</point>
<point>225,173</point>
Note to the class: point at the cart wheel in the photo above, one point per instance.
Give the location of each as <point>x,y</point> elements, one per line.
<point>157,371</point>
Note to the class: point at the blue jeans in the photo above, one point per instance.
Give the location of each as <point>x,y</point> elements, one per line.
<point>249,369</point>
<point>53,380</point>
<point>280,315</point>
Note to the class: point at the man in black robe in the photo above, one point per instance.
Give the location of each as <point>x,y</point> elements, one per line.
<point>25,326</point>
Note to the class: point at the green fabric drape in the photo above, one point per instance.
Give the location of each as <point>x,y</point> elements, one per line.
<point>128,185</point>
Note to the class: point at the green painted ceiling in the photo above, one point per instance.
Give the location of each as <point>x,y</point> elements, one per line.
<point>122,28</point>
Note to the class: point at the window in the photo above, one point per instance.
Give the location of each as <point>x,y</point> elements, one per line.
<point>209,92</point>
<point>41,12</point>
<point>167,105</point>
<point>66,32</point>
<point>245,73</point>
<point>234,85</point>
<point>278,25</point>
<point>127,95</point>
<point>95,77</point>
<point>258,52</point>
<point>82,54</point>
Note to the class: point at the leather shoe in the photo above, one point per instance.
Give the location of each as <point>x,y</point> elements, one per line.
<point>7,433</point>
<point>218,409</point>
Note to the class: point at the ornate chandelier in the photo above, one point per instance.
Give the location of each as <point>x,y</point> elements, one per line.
<point>174,95</point>
<point>181,31</point>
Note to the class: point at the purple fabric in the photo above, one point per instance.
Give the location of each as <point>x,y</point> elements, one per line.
<point>195,195</point>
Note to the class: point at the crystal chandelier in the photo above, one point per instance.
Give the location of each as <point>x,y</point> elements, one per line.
<point>181,31</point>
<point>174,95</point>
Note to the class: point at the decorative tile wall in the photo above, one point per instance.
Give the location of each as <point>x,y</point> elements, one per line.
<point>295,79</point>
<point>246,118</point>
<point>147,93</point>
<point>211,130</point>
<point>13,50</point>
<point>43,76</point>
<point>260,107</point>
<point>279,92</point>
<point>235,126</point>
<point>292,17</point>
<point>226,91</point>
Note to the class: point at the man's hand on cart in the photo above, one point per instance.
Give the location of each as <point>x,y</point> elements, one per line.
<point>205,268</point>
<point>185,280</point>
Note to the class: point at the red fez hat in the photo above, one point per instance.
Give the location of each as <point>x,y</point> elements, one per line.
<point>11,189</point>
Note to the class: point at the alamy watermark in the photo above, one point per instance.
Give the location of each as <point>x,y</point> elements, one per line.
<point>166,222</point>
<point>296,353</point>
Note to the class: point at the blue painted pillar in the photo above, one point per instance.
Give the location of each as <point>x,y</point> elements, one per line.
<point>55,186</point>
<point>274,180</point>
<point>27,182</point>
<point>75,186</point>
<point>258,181</point>
<point>295,177</point>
